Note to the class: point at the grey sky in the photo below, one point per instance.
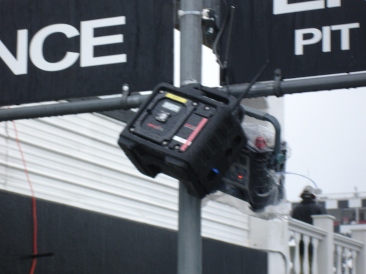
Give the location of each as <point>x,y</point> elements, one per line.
<point>326,132</point>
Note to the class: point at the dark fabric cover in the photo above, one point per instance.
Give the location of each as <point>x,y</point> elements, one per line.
<point>305,209</point>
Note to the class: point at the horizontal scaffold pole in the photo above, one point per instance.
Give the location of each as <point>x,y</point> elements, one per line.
<point>259,89</point>
<point>75,107</point>
<point>280,88</point>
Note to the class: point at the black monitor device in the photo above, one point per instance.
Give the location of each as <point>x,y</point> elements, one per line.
<point>192,133</point>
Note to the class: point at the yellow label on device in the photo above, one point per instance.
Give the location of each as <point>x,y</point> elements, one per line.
<point>176,98</point>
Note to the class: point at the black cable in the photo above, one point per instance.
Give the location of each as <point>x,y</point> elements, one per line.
<point>231,18</point>
<point>222,28</point>
<point>259,73</point>
<point>228,18</point>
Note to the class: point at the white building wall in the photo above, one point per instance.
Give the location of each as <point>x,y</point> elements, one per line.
<point>75,160</point>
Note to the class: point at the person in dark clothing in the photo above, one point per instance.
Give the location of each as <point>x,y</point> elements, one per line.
<point>307,207</point>
<point>303,212</point>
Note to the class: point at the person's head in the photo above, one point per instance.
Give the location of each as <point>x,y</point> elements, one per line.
<point>308,193</point>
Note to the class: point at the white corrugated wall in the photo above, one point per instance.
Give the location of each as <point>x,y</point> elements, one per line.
<point>75,160</point>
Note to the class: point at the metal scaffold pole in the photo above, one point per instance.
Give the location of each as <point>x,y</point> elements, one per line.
<point>189,227</point>
<point>259,89</point>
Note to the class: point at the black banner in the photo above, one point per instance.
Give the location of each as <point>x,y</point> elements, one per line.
<point>72,240</point>
<point>302,38</point>
<point>51,50</point>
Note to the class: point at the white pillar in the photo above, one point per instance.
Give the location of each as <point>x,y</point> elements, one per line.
<point>296,261</point>
<point>305,261</point>
<point>360,235</point>
<point>339,252</point>
<point>326,246</point>
<point>271,236</point>
<point>314,263</point>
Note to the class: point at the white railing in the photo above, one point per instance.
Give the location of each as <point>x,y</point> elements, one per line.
<point>323,251</point>
<point>306,237</point>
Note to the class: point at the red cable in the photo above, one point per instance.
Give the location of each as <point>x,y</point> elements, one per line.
<point>34,204</point>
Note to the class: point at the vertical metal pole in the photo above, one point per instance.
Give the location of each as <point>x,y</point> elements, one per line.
<point>189,228</point>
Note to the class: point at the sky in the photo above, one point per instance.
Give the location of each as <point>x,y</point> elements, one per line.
<point>325,132</point>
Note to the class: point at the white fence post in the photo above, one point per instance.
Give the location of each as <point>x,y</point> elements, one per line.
<point>360,235</point>
<point>326,246</point>
<point>271,236</point>
<point>314,266</point>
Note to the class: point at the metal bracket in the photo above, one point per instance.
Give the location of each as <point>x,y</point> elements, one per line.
<point>277,83</point>
<point>125,93</point>
<point>182,13</point>
<point>189,82</point>
<point>210,27</point>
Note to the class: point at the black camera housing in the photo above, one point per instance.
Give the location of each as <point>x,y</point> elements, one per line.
<point>256,174</point>
<point>192,134</point>
<point>252,178</point>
